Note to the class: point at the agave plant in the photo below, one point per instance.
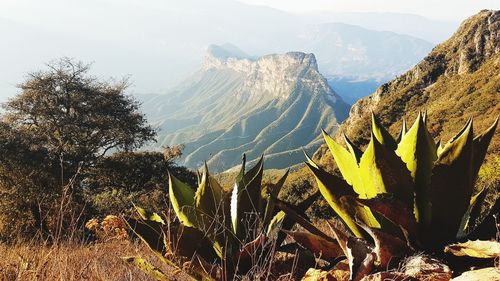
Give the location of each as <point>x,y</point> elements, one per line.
<point>401,195</point>
<point>221,232</point>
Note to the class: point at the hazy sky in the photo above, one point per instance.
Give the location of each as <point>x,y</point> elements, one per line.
<point>436,9</point>
<point>159,42</point>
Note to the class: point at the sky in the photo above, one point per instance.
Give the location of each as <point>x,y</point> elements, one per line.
<point>454,10</point>
<point>160,42</point>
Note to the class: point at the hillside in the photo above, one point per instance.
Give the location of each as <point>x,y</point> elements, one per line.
<point>275,104</point>
<point>459,79</point>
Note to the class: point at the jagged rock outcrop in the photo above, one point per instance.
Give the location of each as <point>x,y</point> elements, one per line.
<point>275,104</point>
<point>459,79</point>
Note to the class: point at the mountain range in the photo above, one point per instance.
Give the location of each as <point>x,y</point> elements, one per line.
<point>274,105</point>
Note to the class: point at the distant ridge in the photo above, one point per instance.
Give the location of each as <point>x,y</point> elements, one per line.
<point>273,105</point>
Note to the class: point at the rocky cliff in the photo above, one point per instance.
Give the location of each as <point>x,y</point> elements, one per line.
<point>275,104</point>
<point>460,78</point>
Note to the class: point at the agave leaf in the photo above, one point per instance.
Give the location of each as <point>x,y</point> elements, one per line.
<point>402,132</point>
<point>147,268</point>
<point>275,224</point>
<point>388,249</point>
<point>360,257</point>
<point>382,171</point>
<point>271,198</point>
<point>209,205</point>
<point>182,198</point>
<point>149,216</point>
<point>287,222</point>
<point>246,199</point>
<point>333,188</point>
<point>481,143</point>
<point>298,217</point>
<point>394,210</point>
<point>151,233</point>
<point>341,236</point>
<point>472,214</point>
<point>188,242</point>
<point>439,148</point>
<point>451,187</point>
<point>347,164</point>
<point>208,195</point>
<point>382,135</point>
<point>418,150</point>
<point>475,249</point>
<point>327,249</point>
<point>355,151</point>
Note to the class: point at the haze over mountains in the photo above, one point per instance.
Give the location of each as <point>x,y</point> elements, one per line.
<point>159,43</point>
<point>275,104</point>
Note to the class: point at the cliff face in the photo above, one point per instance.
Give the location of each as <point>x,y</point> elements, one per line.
<point>459,79</point>
<point>275,104</point>
<point>268,77</point>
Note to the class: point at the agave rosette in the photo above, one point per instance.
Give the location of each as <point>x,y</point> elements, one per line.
<point>403,194</point>
<point>217,227</point>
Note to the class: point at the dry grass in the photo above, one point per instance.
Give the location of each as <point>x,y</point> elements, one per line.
<point>100,261</point>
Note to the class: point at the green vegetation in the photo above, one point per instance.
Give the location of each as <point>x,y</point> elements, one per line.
<point>57,168</point>
<point>226,232</point>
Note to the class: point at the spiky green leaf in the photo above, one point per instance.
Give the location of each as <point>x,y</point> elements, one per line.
<point>382,171</point>
<point>382,135</point>
<point>418,150</point>
<point>182,198</point>
<point>481,143</point>
<point>347,164</point>
<point>271,198</point>
<point>451,187</point>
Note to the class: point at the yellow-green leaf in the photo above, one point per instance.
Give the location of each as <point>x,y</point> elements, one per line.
<point>333,188</point>
<point>402,132</point>
<point>149,216</point>
<point>346,163</point>
<point>355,151</point>
<point>246,198</point>
<point>382,135</point>
<point>418,150</point>
<point>147,268</point>
<point>481,143</point>
<point>382,171</point>
<point>182,199</point>
<point>271,198</point>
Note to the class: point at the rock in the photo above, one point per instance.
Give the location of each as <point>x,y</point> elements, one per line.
<point>489,273</point>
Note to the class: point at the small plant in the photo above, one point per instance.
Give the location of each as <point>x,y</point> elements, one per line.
<point>221,233</point>
<point>400,195</point>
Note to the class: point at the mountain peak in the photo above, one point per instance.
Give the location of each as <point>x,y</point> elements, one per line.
<point>477,39</point>
<point>231,57</point>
